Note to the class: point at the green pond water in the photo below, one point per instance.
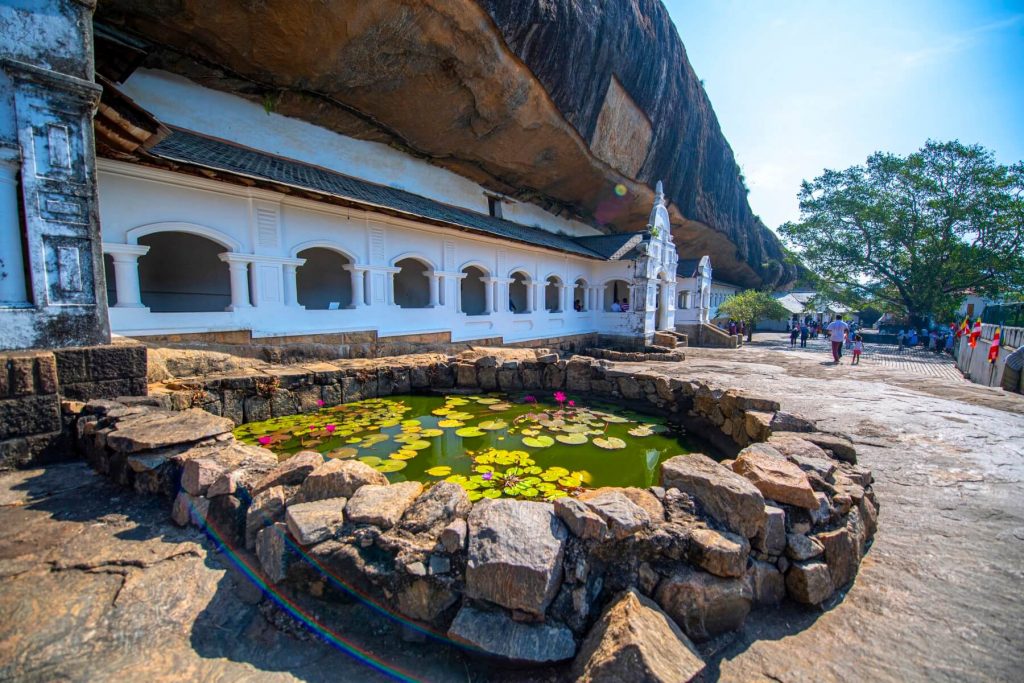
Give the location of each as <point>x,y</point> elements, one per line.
<point>492,445</point>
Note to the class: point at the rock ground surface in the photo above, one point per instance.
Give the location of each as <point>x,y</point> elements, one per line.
<point>97,584</point>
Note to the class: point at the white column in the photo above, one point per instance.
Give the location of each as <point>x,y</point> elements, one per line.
<point>434,289</point>
<point>389,288</point>
<point>291,290</point>
<point>126,273</point>
<point>238,266</point>
<point>358,293</point>
<point>489,285</point>
<point>531,296</point>
<point>565,296</point>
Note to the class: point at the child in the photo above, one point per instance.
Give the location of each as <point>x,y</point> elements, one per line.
<point>858,348</point>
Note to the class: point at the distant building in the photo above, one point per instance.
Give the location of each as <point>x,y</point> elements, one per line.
<point>802,308</point>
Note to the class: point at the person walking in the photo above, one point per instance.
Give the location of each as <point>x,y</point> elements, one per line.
<point>837,330</point>
<point>901,339</point>
<point>858,349</point>
<point>805,332</point>
<point>793,334</point>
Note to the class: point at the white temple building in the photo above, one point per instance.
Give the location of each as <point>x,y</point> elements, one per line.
<point>251,221</point>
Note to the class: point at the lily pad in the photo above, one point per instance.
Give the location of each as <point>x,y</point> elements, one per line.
<point>439,471</point>
<point>417,445</point>
<point>571,439</point>
<point>431,433</point>
<point>611,443</point>
<point>341,453</point>
<point>448,424</point>
<point>488,401</point>
<point>371,460</point>
<point>404,455</point>
<point>642,430</point>
<point>391,466</point>
<point>498,407</point>
<point>469,432</point>
<point>538,441</point>
<point>493,425</point>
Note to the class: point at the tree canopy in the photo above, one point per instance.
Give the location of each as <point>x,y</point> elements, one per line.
<point>916,233</point>
<point>752,306</point>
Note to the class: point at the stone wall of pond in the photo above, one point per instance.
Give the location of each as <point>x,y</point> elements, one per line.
<point>789,516</point>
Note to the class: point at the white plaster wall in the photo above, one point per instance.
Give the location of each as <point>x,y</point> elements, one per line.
<point>132,197</point>
<point>180,102</point>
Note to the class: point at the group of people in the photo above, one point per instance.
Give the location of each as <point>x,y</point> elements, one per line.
<point>934,340</point>
<point>737,328</point>
<point>839,332</point>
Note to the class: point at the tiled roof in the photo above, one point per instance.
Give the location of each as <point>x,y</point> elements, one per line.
<point>612,247</point>
<point>198,150</point>
<point>687,267</point>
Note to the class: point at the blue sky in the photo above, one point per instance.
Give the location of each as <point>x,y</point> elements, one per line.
<point>799,86</point>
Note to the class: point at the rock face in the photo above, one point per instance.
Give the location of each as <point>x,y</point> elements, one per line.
<point>313,522</point>
<point>635,641</point>
<point>496,634</point>
<point>339,479</point>
<point>515,554</point>
<point>478,92</point>
<point>159,429</point>
<point>730,498</point>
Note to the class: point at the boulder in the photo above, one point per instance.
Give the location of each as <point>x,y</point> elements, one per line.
<point>339,479</point>
<point>453,537</point>
<point>840,447</point>
<point>496,634</point>
<point>425,600</point>
<point>727,496</point>
<point>382,506</point>
<point>623,517</point>
<point>771,539</point>
<point>272,551</point>
<point>581,520</point>
<point>311,523</point>
<point>435,509</point>
<point>791,422</point>
<point>702,604</point>
<point>757,424</point>
<point>161,428</point>
<point>800,547</point>
<point>642,497</point>
<point>721,553</point>
<point>199,474</point>
<point>291,472</point>
<point>515,554</point>
<point>635,641</point>
<point>841,555</point>
<point>767,584</point>
<point>774,476</point>
<point>809,583</point>
<point>189,509</point>
<point>267,507</point>
<point>822,510</point>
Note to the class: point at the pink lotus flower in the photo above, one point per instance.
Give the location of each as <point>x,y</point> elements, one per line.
<point>329,428</point>
<point>264,440</point>
<point>560,396</point>
<point>529,399</point>
<point>320,402</point>
<point>572,404</point>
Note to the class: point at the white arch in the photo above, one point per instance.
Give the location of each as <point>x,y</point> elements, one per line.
<point>522,270</point>
<point>476,264</point>
<point>554,275</point>
<point>323,244</point>
<point>226,241</point>
<point>416,256</point>
<point>609,280</point>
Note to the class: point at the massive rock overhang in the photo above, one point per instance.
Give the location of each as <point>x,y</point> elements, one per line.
<point>525,98</point>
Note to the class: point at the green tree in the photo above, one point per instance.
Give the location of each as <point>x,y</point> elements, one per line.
<point>916,232</point>
<point>751,307</point>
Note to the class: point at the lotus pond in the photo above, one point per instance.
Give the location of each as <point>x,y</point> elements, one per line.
<point>492,445</point>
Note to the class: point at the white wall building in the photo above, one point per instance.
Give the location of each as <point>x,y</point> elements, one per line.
<point>257,222</point>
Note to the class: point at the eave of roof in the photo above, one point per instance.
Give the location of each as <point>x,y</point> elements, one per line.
<point>188,148</point>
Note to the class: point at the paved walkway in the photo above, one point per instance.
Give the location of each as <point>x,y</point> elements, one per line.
<point>97,585</point>
<point>916,360</point>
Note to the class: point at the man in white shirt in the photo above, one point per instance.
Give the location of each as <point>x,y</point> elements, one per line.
<point>838,331</point>
<point>616,308</point>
